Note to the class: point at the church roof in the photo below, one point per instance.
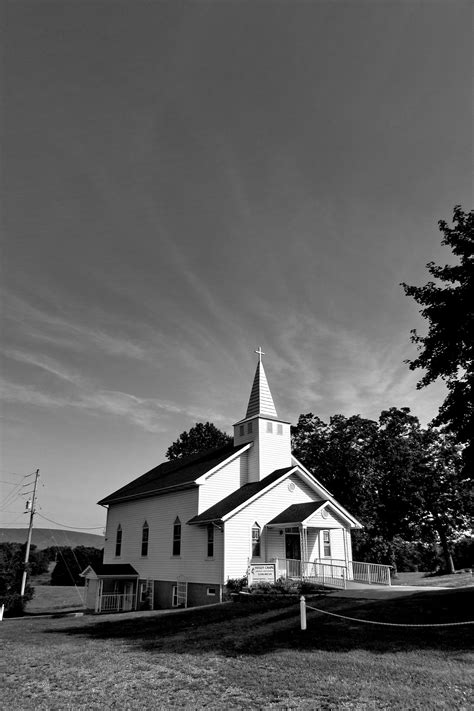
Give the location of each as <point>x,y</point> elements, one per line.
<point>239,497</point>
<point>176,474</point>
<point>260,401</point>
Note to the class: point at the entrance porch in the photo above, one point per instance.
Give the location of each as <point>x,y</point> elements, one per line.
<point>110,588</point>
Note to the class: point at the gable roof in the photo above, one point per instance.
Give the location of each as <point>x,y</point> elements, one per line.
<point>296,513</point>
<point>117,570</point>
<point>177,474</point>
<point>239,497</point>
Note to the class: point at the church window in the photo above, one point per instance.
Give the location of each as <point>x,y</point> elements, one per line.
<point>327,544</point>
<point>249,427</point>
<point>210,541</point>
<point>256,533</point>
<point>145,538</point>
<point>177,537</point>
<point>242,430</point>
<point>280,429</point>
<point>118,541</point>
<point>269,427</point>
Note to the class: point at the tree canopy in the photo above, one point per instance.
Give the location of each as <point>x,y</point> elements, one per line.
<point>447,350</point>
<point>199,438</point>
<point>403,482</point>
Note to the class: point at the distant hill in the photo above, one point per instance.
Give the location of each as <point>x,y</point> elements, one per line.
<point>46,537</point>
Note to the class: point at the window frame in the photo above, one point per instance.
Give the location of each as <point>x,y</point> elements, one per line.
<point>118,541</point>
<point>176,549</point>
<point>256,541</point>
<point>210,541</point>
<point>145,539</point>
<point>326,543</point>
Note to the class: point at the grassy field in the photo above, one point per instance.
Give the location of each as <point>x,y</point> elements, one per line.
<point>238,656</point>
<point>458,580</point>
<point>55,598</point>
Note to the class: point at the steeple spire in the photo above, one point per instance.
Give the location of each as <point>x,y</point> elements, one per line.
<point>260,401</point>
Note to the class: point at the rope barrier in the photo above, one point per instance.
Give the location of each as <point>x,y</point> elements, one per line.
<point>389,624</point>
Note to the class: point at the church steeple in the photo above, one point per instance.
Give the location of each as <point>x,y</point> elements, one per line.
<point>260,401</point>
<point>262,428</point>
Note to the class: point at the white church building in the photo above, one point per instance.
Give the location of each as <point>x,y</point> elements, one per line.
<point>175,535</point>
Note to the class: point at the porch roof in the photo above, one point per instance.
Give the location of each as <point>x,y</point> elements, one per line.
<point>111,570</point>
<point>296,513</point>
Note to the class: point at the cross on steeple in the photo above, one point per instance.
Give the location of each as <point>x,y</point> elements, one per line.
<point>260,354</point>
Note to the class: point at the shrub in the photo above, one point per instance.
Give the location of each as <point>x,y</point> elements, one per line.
<point>235,585</point>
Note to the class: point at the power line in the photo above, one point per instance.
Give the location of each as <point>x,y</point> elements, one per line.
<point>74,528</point>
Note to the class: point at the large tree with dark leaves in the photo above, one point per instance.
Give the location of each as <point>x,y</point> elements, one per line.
<point>447,351</point>
<point>199,438</point>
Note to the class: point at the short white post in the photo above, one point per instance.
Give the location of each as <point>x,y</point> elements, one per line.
<point>1,612</point>
<point>303,612</point>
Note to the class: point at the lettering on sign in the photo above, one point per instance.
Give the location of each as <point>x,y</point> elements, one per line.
<point>261,573</point>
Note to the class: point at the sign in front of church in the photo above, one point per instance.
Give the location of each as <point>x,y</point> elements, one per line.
<point>261,573</point>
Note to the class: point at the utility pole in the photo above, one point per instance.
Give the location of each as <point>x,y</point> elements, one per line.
<point>30,531</point>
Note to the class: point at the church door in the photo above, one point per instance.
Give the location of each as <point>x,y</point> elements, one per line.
<point>293,545</point>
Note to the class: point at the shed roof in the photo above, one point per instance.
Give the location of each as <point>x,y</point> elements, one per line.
<point>179,473</point>
<point>103,570</point>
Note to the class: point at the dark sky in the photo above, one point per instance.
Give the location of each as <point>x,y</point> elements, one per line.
<point>184,181</point>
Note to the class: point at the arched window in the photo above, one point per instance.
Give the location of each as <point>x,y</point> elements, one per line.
<point>177,536</point>
<point>210,541</point>
<point>256,532</point>
<point>118,541</point>
<point>145,538</point>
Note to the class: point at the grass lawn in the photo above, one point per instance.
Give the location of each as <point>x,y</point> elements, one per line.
<point>239,656</point>
<point>55,598</point>
<point>458,580</point>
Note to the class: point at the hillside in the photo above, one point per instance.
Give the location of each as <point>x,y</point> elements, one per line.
<point>46,537</point>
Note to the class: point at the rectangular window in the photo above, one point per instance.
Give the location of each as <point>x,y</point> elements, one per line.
<point>269,427</point>
<point>118,542</point>
<point>177,537</point>
<point>145,538</point>
<point>280,429</point>
<point>174,596</point>
<point>210,541</point>
<point>256,541</point>
<point>211,591</point>
<point>327,544</point>
<point>241,430</point>
<point>249,427</point>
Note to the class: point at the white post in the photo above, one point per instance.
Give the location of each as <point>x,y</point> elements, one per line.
<point>368,574</point>
<point>1,612</point>
<point>303,612</point>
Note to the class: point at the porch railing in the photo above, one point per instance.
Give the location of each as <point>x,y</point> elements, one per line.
<point>324,573</point>
<point>361,572</point>
<point>371,573</point>
<point>114,602</point>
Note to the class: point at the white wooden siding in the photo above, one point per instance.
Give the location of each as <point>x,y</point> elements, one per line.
<point>223,482</point>
<point>332,521</point>
<point>274,449</point>
<point>160,513</point>
<point>238,528</point>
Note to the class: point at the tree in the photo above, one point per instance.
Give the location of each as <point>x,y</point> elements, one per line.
<point>198,439</point>
<point>447,351</point>
<point>442,492</point>
<point>12,556</point>
<point>72,562</point>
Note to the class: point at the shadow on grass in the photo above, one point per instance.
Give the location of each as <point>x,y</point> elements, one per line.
<point>268,625</point>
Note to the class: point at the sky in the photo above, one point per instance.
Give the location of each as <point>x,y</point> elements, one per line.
<point>185,181</point>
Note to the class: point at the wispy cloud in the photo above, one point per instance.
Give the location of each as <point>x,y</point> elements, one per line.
<point>58,330</point>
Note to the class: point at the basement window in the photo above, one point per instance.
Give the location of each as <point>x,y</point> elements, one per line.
<point>211,591</point>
